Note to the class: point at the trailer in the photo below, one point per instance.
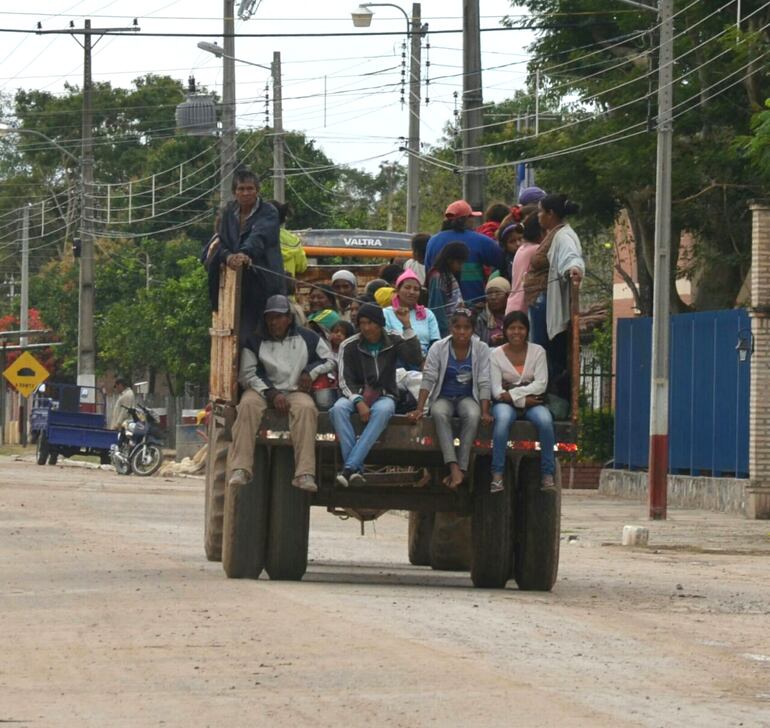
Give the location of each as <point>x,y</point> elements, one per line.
<point>264,525</point>
<point>67,420</point>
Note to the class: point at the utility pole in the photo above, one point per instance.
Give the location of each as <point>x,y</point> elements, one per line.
<point>86,344</point>
<point>228,104</point>
<point>658,462</point>
<point>473,176</point>
<point>24,313</point>
<point>413,143</point>
<point>279,167</point>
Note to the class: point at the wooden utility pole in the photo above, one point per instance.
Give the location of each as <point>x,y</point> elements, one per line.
<point>228,104</point>
<point>473,118</point>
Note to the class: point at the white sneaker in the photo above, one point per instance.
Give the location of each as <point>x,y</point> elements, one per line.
<point>305,482</point>
<point>239,477</point>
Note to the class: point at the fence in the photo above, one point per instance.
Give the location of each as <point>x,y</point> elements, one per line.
<point>596,417</point>
<point>708,398</point>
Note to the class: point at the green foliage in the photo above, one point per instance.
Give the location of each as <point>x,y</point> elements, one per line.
<point>596,435</point>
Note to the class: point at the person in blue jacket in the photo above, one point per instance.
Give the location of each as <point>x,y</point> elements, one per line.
<point>482,251</point>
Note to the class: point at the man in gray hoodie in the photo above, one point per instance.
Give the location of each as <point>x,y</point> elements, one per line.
<point>279,364</point>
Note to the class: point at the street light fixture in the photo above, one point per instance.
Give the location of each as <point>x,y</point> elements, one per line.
<point>219,52</point>
<point>6,130</point>
<point>362,18</point>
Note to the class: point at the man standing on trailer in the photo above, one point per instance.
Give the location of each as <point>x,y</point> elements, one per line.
<point>248,234</point>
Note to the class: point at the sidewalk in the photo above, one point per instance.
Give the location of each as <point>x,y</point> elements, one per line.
<point>598,520</point>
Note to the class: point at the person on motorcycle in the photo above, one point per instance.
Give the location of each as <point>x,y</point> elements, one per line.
<point>125,402</point>
<point>279,364</point>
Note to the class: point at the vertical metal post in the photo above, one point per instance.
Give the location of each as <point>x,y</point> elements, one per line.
<point>413,143</point>
<point>109,202</point>
<point>42,218</point>
<point>130,199</point>
<point>537,102</point>
<point>658,462</point>
<point>24,312</point>
<point>181,178</point>
<point>279,166</point>
<point>86,353</point>
<point>228,103</point>
<point>473,177</point>
<point>152,208</point>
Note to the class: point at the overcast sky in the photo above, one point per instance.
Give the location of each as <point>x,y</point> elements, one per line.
<point>362,127</point>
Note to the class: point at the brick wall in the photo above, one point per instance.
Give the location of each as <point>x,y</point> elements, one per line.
<point>759,405</point>
<point>580,476</point>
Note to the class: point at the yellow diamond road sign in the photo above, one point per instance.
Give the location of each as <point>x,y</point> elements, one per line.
<point>26,373</point>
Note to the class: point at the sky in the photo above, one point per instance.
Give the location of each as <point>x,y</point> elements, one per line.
<point>357,122</point>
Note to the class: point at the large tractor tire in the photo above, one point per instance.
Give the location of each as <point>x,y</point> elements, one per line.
<point>491,525</point>
<point>451,544</point>
<point>420,532</point>
<point>245,522</point>
<point>42,450</point>
<point>53,456</point>
<point>289,529</point>
<point>216,474</point>
<point>536,528</point>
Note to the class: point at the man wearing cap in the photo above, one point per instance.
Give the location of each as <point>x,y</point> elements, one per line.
<point>345,285</point>
<point>367,378</point>
<point>482,251</point>
<point>279,364</point>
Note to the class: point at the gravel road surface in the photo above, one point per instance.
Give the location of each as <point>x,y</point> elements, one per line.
<point>111,616</point>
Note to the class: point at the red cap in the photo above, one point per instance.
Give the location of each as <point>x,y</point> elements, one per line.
<point>460,208</point>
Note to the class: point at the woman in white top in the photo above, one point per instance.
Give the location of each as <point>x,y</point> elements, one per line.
<point>519,377</point>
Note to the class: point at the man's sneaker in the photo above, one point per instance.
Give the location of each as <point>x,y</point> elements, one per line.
<point>496,486</point>
<point>343,477</point>
<point>239,476</point>
<point>305,482</point>
<point>357,479</point>
<point>547,483</point>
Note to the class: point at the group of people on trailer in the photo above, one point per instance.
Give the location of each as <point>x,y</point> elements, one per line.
<point>473,327</point>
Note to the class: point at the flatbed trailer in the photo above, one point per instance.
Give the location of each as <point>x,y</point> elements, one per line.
<point>264,525</point>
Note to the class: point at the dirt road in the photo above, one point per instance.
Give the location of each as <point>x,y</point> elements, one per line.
<point>111,617</point>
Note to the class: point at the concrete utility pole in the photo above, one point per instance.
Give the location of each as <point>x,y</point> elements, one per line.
<point>228,103</point>
<point>413,143</point>
<point>279,167</point>
<point>658,463</point>
<point>86,342</point>
<point>24,312</point>
<point>473,177</point>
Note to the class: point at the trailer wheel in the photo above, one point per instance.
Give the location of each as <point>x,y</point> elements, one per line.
<point>491,526</point>
<point>53,456</point>
<point>451,542</point>
<point>420,531</point>
<point>289,520</point>
<point>41,449</point>
<point>536,529</point>
<point>244,532</point>
<point>216,475</point>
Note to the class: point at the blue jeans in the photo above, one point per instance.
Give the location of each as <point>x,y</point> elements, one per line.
<point>538,325</point>
<point>540,417</point>
<point>354,452</point>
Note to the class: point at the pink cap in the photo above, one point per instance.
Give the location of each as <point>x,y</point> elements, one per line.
<point>460,208</point>
<point>407,275</point>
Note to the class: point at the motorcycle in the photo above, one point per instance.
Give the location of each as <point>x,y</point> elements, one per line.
<point>139,442</point>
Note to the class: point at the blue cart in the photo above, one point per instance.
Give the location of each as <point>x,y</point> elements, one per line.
<point>70,420</point>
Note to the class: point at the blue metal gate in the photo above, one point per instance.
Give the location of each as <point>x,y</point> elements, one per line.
<point>708,399</point>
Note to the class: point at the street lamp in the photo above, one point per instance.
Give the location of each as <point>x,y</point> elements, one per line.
<point>279,175</point>
<point>6,130</point>
<point>362,18</point>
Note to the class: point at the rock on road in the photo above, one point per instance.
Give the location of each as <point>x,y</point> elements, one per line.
<point>112,617</point>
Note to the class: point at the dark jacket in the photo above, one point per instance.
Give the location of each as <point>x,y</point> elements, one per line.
<point>359,368</point>
<point>260,241</point>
